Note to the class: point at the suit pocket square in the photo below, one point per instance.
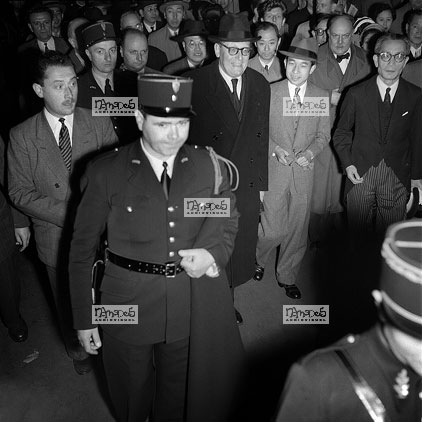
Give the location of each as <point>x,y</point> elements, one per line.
<point>404,114</point>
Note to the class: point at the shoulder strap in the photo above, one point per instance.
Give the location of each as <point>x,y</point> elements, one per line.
<point>366,394</point>
<point>231,167</point>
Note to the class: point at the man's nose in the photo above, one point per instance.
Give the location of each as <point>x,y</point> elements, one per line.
<point>174,132</point>
<point>107,56</point>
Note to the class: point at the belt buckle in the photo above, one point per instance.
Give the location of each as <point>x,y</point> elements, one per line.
<point>170,269</point>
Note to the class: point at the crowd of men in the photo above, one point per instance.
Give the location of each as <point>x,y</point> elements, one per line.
<point>313,108</point>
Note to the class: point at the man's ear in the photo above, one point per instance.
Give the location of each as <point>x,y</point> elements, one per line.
<point>38,89</point>
<point>88,53</point>
<point>139,119</point>
<point>313,67</point>
<point>30,27</point>
<point>141,12</point>
<point>278,42</point>
<point>121,51</point>
<point>217,49</point>
<point>375,57</point>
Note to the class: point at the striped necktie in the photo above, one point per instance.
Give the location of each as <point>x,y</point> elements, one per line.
<point>64,144</point>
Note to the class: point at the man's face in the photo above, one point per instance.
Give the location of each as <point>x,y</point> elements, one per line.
<point>385,19</point>
<point>195,48</point>
<point>414,31</point>
<point>268,44</point>
<point>174,16</point>
<point>103,56</point>
<point>59,90</point>
<point>324,6</point>
<point>131,20</point>
<point>135,52</point>
<point>390,71</point>
<point>235,65</point>
<point>298,71</point>
<point>276,17</point>
<point>340,36</point>
<point>163,136</point>
<point>320,32</point>
<point>57,16</point>
<point>40,25</point>
<point>150,14</point>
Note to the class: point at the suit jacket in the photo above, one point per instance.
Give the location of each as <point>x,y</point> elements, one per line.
<point>60,45</point>
<point>413,73</point>
<point>295,134</point>
<point>178,67</point>
<point>39,183</point>
<point>245,142</point>
<point>275,73</point>
<point>161,39</point>
<point>358,139</point>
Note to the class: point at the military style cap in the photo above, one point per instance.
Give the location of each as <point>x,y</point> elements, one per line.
<point>97,32</point>
<point>401,279</point>
<point>302,49</point>
<point>165,96</point>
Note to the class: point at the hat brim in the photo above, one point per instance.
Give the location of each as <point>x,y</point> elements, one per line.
<point>164,6</point>
<point>308,58</point>
<point>168,112</point>
<point>181,37</point>
<point>217,39</point>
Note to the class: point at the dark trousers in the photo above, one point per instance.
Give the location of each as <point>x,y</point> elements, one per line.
<point>134,387</point>
<point>59,283</point>
<point>9,290</point>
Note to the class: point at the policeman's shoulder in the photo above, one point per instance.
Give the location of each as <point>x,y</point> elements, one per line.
<point>105,159</point>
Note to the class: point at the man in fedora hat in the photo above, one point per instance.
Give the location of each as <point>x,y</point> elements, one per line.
<point>232,103</point>
<point>193,37</point>
<point>375,375</point>
<point>148,10</point>
<point>174,12</point>
<point>170,266</point>
<point>297,136</point>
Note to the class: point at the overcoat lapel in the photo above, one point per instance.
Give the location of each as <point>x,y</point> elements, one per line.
<point>81,136</point>
<point>372,108</point>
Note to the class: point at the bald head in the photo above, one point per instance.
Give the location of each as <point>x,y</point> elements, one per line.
<point>134,50</point>
<point>340,31</point>
<point>131,19</point>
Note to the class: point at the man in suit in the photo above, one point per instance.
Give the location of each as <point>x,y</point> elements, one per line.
<point>193,37</point>
<point>148,9</point>
<point>413,73</point>
<point>340,65</point>
<point>398,25</point>
<point>296,138</point>
<point>170,266</point>
<point>414,34</point>
<point>232,102</point>
<point>378,141</point>
<point>375,375</point>
<point>174,12</point>
<point>47,155</point>
<point>267,61</point>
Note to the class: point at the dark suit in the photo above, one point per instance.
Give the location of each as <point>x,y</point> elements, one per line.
<point>244,141</point>
<point>359,140</point>
<point>413,73</point>
<point>123,194</point>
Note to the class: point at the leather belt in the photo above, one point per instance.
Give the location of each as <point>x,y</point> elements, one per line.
<point>169,269</point>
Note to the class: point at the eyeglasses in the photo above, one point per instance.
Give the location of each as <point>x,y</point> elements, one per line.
<point>337,37</point>
<point>192,44</point>
<point>386,57</point>
<point>320,31</point>
<point>245,51</point>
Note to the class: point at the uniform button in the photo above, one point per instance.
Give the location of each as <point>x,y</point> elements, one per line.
<point>171,254</point>
<point>350,339</point>
<point>172,224</point>
<point>129,209</point>
<point>251,160</point>
<point>259,134</point>
<point>251,184</point>
<point>170,209</point>
<point>171,239</point>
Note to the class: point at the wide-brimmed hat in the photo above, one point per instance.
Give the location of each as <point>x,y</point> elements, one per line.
<point>302,48</point>
<point>144,3</point>
<point>165,4</point>
<point>234,27</point>
<point>165,95</point>
<point>190,28</point>
<point>98,32</point>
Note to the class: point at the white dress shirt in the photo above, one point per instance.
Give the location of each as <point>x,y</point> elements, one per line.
<point>157,163</point>
<point>228,80</point>
<point>56,125</point>
<point>382,87</point>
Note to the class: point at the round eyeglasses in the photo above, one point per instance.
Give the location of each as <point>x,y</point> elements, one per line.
<point>320,31</point>
<point>386,57</point>
<point>245,51</point>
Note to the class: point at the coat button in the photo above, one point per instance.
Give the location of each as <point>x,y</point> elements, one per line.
<point>170,209</point>
<point>251,184</point>
<point>129,209</point>
<point>259,134</point>
<point>171,254</point>
<point>171,239</point>
<point>251,160</point>
<point>172,224</point>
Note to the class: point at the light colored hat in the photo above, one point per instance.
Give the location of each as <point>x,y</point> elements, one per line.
<point>302,48</point>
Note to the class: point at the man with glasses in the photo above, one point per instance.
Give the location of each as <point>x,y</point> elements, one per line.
<point>232,105</point>
<point>378,141</point>
<point>150,15</point>
<point>340,64</point>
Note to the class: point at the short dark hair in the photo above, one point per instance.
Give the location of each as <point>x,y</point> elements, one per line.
<point>263,26</point>
<point>316,19</point>
<point>410,15</point>
<point>334,18</point>
<point>378,8</point>
<point>391,37</point>
<point>130,31</point>
<point>270,5</point>
<point>49,59</point>
<point>38,9</point>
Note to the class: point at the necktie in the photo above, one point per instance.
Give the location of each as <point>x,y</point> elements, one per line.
<point>165,180</point>
<point>46,48</point>
<point>266,68</point>
<point>297,98</point>
<point>342,57</point>
<point>107,90</point>
<point>387,106</point>
<point>235,98</point>
<point>387,98</point>
<point>64,144</point>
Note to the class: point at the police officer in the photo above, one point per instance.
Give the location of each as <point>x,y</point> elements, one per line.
<point>382,365</point>
<point>169,265</point>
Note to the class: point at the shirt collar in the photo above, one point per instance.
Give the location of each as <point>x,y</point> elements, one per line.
<point>228,80</point>
<point>50,44</point>
<point>157,163</point>
<point>173,32</point>
<point>382,87</point>
<point>101,80</point>
<point>292,89</point>
<point>55,124</point>
<point>266,64</point>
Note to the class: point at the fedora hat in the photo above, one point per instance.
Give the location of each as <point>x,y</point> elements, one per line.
<point>234,27</point>
<point>144,3</point>
<point>191,28</point>
<point>302,48</point>
<point>165,4</point>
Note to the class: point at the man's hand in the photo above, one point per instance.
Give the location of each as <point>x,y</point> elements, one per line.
<point>90,340</point>
<point>335,97</point>
<point>196,261</point>
<point>353,175</point>
<point>22,236</point>
<point>282,156</point>
<point>304,158</point>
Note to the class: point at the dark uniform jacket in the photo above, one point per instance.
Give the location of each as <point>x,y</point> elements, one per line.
<point>318,389</point>
<point>244,141</point>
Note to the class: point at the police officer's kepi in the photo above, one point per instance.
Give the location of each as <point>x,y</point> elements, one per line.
<point>401,278</point>
<point>98,32</point>
<point>165,96</point>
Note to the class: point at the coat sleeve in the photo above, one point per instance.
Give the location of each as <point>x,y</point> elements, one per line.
<point>416,142</point>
